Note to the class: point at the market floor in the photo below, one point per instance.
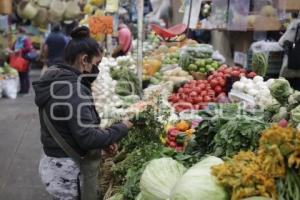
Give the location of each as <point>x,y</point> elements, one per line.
<point>20,149</point>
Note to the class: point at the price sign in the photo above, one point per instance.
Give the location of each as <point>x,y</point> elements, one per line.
<point>101,25</point>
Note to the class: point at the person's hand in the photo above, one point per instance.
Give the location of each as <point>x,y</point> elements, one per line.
<point>9,50</point>
<point>111,150</point>
<point>127,123</point>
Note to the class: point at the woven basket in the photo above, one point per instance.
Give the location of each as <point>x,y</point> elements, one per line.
<point>5,7</point>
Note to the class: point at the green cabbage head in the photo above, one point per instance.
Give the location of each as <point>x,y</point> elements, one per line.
<point>159,177</point>
<point>281,90</point>
<point>295,114</point>
<point>198,183</point>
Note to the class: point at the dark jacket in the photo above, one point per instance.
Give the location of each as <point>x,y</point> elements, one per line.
<point>66,100</point>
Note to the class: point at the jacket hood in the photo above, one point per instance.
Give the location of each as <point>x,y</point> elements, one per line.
<point>44,86</point>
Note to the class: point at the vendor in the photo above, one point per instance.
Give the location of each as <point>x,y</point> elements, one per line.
<point>124,39</point>
<point>69,122</point>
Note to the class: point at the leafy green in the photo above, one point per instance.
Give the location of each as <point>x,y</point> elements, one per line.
<point>233,137</point>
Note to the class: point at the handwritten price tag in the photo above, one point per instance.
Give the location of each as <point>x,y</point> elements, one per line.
<point>101,25</point>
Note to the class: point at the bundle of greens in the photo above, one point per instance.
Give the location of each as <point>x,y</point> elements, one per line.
<point>128,82</point>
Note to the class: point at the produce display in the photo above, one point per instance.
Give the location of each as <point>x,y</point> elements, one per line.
<point>255,91</point>
<point>198,58</point>
<point>230,135</point>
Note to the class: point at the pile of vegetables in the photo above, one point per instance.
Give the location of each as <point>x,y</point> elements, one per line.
<point>260,63</point>
<point>198,58</point>
<point>271,172</point>
<point>193,95</point>
<point>179,135</point>
<point>105,98</point>
<point>255,90</point>
<point>165,178</point>
<point>171,58</point>
<point>219,133</point>
<point>6,71</point>
<point>174,74</point>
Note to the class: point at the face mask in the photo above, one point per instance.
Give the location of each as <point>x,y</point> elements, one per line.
<point>88,80</point>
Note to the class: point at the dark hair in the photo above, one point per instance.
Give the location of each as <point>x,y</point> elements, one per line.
<point>56,28</point>
<point>81,42</point>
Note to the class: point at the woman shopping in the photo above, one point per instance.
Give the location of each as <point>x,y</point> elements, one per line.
<point>69,123</point>
<point>21,48</point>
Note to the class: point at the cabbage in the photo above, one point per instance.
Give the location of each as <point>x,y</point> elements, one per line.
<point>159,177</point>
<point>281,90</point>
<point>198,183</point>
<point>295,114</point>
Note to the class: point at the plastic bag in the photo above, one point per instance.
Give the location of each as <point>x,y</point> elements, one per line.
<point>10,87</point>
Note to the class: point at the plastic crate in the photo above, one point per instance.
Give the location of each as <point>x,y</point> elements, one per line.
<point>275,63</point>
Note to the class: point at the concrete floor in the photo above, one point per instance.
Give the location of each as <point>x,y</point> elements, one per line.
<point>20,149</point>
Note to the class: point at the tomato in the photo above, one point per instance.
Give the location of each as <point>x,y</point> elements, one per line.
<point>211,93</point>
<point>220,74</point>
<point>202,86</point>
<point>213,83</point>
<point>180,90</point>
<point>181,96</point>
<point>198,90</point>
<point>222,82</point>
<point>173,144</point>
<point>222,68</point>
<point>198,99</point>
<point>187,91</point>
<point>193,94</point>
<point>207,99</point>
<point>235,73</point>
<point>203,93</point>
<point>186,85</point>
<point>218,89</point>
<point>189,100</point>
<point>228,71</point>
<point>251,75</point>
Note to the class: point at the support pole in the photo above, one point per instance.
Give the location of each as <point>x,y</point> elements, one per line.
<point>140,11</point>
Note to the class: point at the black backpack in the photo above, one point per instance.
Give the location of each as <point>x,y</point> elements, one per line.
<point>293,52</point>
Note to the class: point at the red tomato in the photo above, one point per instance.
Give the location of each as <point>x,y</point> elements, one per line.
<point>173,144</point>
<point>181,96</point>
<point>189,100</point>
<point>222,68</point>
<point>193,81</point>
<point>235,73</point>
<point>193,94</point>
<point>218,89</point>
<point>198,90</point>
<point>222,83</point>
<point>220,74</point>
<point>228,70</point>
<point>207,99</point>
<point>198,99</point>
<point>211,93</point>
<point>251,75</point>
<point>196,107</point>
<point>202,86</point>
<point>213,83</point>
<point>187,91</point>
<point>186,85</point>
<point>203,93</point>
<point>180,90</point>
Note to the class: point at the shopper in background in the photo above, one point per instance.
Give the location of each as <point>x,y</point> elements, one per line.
<point>54,46</point>
<point>124,38</point>
<point>23,46</point>
<point>69,122</point>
